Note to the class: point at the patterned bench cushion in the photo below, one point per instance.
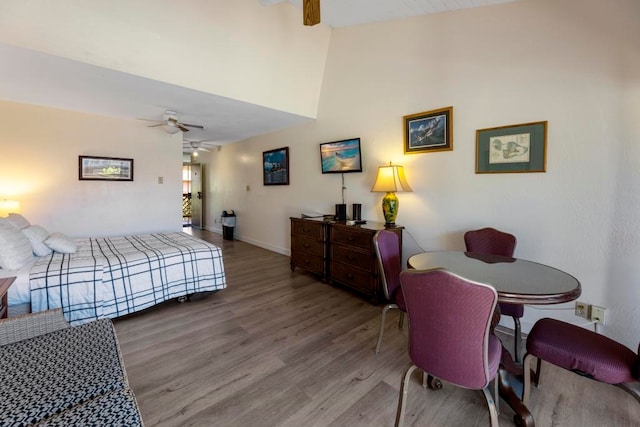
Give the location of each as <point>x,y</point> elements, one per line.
<point>50,373</point>
<point>115,409</point>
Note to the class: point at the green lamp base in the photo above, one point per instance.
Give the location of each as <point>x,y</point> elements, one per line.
<point>390,209</point>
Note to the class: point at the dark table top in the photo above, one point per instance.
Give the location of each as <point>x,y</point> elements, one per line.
<point>516,280</point>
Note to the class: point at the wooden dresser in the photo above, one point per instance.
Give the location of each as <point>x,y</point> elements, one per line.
<point>347,252</point>
<point>308,245</point>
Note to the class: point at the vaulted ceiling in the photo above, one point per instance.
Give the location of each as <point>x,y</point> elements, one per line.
<point>344,13</point>
<point>38,78</point>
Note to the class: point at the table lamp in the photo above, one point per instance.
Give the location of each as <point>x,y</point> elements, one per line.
<point>9,206</point>
<point>390,179</point>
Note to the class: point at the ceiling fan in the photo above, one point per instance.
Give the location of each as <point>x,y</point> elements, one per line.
<point>189,146</point>
<point>171,124</point>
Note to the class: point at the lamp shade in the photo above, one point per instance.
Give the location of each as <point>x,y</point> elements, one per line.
<point>9,206</point>
<point>390,179</point>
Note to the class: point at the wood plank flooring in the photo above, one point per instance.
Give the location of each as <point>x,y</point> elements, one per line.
<point>281,348</point>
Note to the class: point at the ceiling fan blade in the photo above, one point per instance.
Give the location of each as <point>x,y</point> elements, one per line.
<point>156,125</point>
<point>150,120</point>
<point>204,149</point>
<point>181,127</point>
<point>311,12</point>
<point>192,126</point>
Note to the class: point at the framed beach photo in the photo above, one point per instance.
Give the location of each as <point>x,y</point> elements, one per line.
<point>275,166</point>
<point>92,168</point>
<point>512,149</point>
<point>429,131</point>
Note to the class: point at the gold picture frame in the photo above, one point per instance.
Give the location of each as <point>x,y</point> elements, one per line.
<point>512,149</point>
<point>429,131</point>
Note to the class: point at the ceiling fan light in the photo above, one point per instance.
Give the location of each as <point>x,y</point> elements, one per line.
<point>170,128</point>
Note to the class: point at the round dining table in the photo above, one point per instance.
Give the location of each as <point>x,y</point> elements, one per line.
<point>517,281</point>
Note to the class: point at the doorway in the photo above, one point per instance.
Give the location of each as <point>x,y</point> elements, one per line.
<point>197,195</point>
<point>192,195</point>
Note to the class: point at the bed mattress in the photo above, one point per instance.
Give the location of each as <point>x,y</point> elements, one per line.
<point>111,277</point>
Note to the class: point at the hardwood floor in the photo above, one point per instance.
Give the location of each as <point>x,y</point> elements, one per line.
<point>281,348</point>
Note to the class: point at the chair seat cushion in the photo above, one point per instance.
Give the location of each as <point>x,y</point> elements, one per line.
<point>582,351</point>
<point>495,353</point>
<point>512,310</point>
<point>398,299</point>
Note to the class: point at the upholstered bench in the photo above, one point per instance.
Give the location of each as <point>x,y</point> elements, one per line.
<point>53,374</point>
<point>581,351</point>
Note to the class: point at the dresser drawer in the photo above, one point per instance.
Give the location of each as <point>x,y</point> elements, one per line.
<point>310,229</point>
<point>312,263</point>
<point>352,237</point>
<point>357,278</point>
<point>307,245</point>
<point>348,255</point>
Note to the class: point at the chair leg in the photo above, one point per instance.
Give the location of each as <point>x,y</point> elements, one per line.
<point>518,340</point>
<point>402,402</point>
<point>493,412</point>
<point>536,377</point>
<point>401,320</point>
<point>382,322</point>
<point>526,372</point>
<point>495,392</point>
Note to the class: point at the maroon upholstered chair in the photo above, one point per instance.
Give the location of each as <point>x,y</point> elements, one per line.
<point>494,242</point>
<point>581,351</point>
<point>387,246</point>
<point>449,332</point>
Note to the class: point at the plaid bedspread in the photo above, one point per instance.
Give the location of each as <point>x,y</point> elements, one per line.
<point>111,277</point>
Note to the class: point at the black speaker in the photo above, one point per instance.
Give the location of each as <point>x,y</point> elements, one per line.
<point>357,212</point>
<point>341,212</point>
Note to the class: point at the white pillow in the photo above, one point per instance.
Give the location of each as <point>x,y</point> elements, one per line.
<point>15,249</point>
<point>37,235</point>
<point>61,243</point>
<point>17,221</point>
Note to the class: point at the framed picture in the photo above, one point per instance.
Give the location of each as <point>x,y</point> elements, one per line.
<point>91,168</point>
<point>512,149</point>
<point>275,167</point>
<point>429,131</point>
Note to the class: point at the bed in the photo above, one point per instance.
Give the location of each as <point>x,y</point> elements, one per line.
<point>113,276</point>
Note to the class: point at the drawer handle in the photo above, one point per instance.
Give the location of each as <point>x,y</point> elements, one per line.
<point>350,257</point>
<point>350,239</point>
<point>306,246</point>
<point>350,276</point>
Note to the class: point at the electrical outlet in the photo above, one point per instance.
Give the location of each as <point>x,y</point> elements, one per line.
<point>582,309</point>
<point>596,314</point>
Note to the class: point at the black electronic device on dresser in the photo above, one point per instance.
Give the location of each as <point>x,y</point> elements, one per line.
<point>339,253</point>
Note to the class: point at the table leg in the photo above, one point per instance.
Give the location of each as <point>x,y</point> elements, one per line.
<point>510,376</point>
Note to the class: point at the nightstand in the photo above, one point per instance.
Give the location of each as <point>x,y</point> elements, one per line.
<point>5,284</point>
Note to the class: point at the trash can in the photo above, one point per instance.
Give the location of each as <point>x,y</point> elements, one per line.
<point>228,224</point>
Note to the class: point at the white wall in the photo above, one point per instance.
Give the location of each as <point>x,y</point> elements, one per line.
<point>571,62</point>
<point>39,149</point>
<point>238,49</point>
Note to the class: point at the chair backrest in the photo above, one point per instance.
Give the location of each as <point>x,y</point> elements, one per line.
<point>636,367</point>
<point>387,246</point>
<point>490,241</point>
<point>449,320</point>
